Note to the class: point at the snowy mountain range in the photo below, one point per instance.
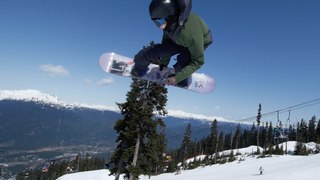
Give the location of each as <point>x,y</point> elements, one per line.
<point>40,97</point>
<point>37,96</point>
<point>35,122</point>
<point>30,119</point>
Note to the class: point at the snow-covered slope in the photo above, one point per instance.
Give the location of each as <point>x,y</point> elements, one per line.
<point>290,148</point>
<point>37,96</point>
<point>253,149</point>
<point>29,95</point>
<point>275,168</point>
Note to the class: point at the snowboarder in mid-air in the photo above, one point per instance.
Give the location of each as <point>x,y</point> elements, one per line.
<point>184,34</point>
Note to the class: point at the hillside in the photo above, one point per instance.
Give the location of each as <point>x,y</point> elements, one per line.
<point>27,125</point>
<point>275,168</point>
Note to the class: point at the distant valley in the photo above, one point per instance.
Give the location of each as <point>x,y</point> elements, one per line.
<point>37,127</point>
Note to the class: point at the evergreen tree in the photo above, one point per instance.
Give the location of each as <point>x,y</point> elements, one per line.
<point>312,130</point>
<point>258,124</point>
<point>237,137</point>
<point>278,150</point>
<point>152,151</point>
<point>186,144</point>
<point>138,131</point>
<point>292,136</point>
<point>203,143</point>
<point>60,167</point>
<point>263,136</point>
<point>318,132</point>
<point>253,135</point>
<point>302,132</point>
<point>213,138</point>
<point>231,157</point>
<point>245,139</point>
<point>270,139</point>
<point>225,142</point>
<point>298,136</point>
<point>222,142</point>
<point>199,149</point>
<point>300,149</point>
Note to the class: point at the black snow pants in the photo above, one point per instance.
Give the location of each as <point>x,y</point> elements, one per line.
<point>154,54</point>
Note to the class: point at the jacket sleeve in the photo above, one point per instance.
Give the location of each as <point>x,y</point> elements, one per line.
<point>184,8</point>
<point>196,50</point>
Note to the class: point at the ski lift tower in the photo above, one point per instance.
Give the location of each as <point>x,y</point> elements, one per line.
<point>282,133</point>
<point>286,131</point>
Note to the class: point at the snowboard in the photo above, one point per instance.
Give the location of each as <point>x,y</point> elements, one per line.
<point>121,65</point>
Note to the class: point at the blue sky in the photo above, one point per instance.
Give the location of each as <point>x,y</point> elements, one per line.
<point>264,52</point>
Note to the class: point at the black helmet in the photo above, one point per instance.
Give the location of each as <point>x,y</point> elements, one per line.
<point>161,9</point>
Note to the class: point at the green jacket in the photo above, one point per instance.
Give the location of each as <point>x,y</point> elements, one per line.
<point>194,35</point>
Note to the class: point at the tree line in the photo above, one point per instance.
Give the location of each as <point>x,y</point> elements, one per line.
<point>268,135</point>
<point>53,169</point>
<point>154,158</point>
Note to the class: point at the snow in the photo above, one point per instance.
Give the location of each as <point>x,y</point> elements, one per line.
<point>253,149</point>
<point>291,146</point>
<point>29,95</point>
<point>89,175</point>
<point>243,151</point>
<point>182,114</point>
<point>37,96</point>
<point>275,168</point>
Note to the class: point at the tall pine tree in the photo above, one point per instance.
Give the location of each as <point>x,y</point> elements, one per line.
<point>185,146</point>
<point>140,134</point>
<point>302,129</point>
<point>318,132</point>
<point>312,129</point>
<point>258,125</point>
<point>213,138</point>
<point>270,139</point>
<point>237,137</point>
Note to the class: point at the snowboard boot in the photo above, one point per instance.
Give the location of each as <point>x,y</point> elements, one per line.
<point>184,83</point>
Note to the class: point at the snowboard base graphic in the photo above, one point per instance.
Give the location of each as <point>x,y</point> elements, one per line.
<point>121,65</point>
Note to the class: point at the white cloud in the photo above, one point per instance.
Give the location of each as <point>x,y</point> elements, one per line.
<point>105,81</point>
<point>102,82</point>
<point>88,81</point>
<point>54,70</point>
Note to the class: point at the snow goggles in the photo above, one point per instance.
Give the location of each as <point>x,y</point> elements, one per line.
<point>159,22</point>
